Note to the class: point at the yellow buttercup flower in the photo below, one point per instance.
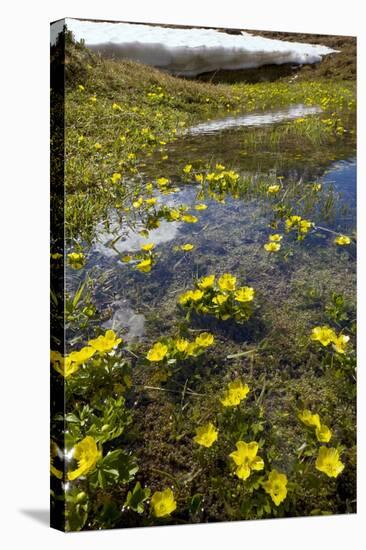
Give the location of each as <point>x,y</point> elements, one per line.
<point>116,107</point>
<point>276,238</point>
<point>192,349</point>
<point>116,177</point>
<point>272,247</point>
<point>137,203</point>
<point>81,356</point>
<point>187,247</point>
<point>162,182</point>
<point>187,168</point>
<point>81,87</point>
<point>227,282</point>
<point>151,200</point>
<point>246,459</point>
<point>76,260</point>
<point>235,393</point>
<point>105,343</point>
<point>157,352</point>
<point>145,265</point>
<point>342,240</point>
<point>328,462</point>
<point>163,503</point>
<point>174,214</point>
<point>323,434</point>
<point>182,344</point>
<point>200,207</point>
<point>147,247</point>
<point>199,178</point>
<point>206,282</point>
<point>205,339</point>
<point>219,166</point>
<point>324,334</point>
<point>292,221</point>
<point>305,225</point>
<point>276,486</point>
<point>340,342</point>
<point>97,146</point>
<point>69,364</point>
<point>273,189</point>
<point>220,299</point>
<point>196,295</point>
<point>206,435</point>
<point>87,455</point>
<point>188,218</point>
<point>185,298</point>
<point>309,419</point>
<point>244,294</point>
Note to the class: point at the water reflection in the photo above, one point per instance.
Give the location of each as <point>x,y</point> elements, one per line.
<point>120,240</point>
<point>254,119</point>
<point>125,318</point>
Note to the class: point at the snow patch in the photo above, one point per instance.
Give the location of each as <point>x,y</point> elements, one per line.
<point>189,52</point>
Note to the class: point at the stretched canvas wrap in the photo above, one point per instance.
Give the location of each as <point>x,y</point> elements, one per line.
<point>203,275</point>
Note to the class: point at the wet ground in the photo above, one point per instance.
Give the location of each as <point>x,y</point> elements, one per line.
<point>228,236</point>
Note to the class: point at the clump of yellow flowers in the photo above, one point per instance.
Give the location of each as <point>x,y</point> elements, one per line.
<point>163,503</point>
<point>217,181</point>
<point>173,349</point>
<point>69,364</point>
<point>297,223</point>
<point>322,432</point>
<point>221,298</point>
<point>145,258</point>
<point>274,243</point>
<point>325,335</point>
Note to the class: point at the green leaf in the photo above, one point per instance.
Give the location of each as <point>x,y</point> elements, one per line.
<point>116,467</point>
<point>136,498</point>
<point>77,507</point>
<point>195,503</point>
<point>78,295</point>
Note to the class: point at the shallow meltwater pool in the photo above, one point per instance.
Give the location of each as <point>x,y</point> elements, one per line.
<point>231,224</point>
